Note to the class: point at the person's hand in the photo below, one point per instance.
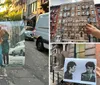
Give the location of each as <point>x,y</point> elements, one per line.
<point>90,29</point>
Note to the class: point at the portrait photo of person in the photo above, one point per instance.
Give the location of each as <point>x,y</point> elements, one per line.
<point>71,66</point>
<point>80,71</point>
<point>89,75</point>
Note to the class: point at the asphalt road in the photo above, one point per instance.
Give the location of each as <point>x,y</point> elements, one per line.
<point>37,62</point>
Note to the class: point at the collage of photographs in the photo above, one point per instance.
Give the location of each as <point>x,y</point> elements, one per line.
<point>49,42</point>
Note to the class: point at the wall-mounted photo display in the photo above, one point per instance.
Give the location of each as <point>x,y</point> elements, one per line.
<point>70,22</point>
<point>80,71</point>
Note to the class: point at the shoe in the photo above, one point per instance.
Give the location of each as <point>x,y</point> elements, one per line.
<point>2,65</point>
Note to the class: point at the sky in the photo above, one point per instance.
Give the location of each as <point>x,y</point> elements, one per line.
<point>57,2</point>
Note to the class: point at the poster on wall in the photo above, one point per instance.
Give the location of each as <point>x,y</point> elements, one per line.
<point>81,71</point>
<point>13,44</point>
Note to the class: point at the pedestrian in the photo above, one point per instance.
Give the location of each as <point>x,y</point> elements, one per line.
<point>90,29</point>
<point>1,40</point>
<point>71,66</point>
<point>5,47</point>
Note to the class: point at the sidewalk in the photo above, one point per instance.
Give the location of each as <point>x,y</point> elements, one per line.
<point>3,77</point>
<point>17,76</point>
<point>55,77</point>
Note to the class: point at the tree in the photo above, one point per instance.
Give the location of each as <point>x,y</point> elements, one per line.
<point>13,10</point>
<point>45,6</point>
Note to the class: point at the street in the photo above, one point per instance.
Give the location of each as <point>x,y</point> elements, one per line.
<point>37,61</point>
<point>34,72</point>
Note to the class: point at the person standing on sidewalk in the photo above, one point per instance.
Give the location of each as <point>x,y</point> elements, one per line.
<point>1,40</point>
<point>5,47</point>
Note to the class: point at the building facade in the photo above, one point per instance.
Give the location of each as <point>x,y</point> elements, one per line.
<point>72,19</point>
<point>62,51</point>
<point>33,9</point>
<point>54,11</point>
<point>98,13</point>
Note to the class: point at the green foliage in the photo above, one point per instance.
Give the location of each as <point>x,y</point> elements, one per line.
<point>13,16</point>
<point>8,2</point>
<point>10,15</point>
<point>2,15</point>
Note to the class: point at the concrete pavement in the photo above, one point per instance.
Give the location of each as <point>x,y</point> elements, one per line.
<point>37,61</point>
<point>34,72</point>
<point>18,76</point>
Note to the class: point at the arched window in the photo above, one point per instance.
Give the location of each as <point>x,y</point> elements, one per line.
<point>68,34</point>
<point>55,59</point>
<point>66,47</point>
<point>81,34</point>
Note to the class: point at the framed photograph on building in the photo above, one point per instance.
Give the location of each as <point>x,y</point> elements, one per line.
<point>80,71</point>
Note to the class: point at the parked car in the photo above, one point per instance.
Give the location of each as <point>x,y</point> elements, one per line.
<point>29,33</point>
<point>42,32</point>
<point>19,49</point>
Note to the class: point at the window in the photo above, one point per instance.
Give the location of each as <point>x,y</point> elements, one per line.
<point>83,13</point>
<point>68,8</point>
<point>64,14</point>
<point>56,10</point>
<point>29,9</point>
<point>68,14</point>
<point>88,19</point>
<point>99,15</point>
<point>91,6</point>
<point>87,13</point>
<point>83,7</point>
<point>72,8</point>
<point>87,6</point>
<point>68,34</point>
<point>61,9</point>
<point>81,34</point>
<point>94,20</point>
<point>92,11</point>
<point>63,20</point>
<point>60,14</point>
<point>98,9</point>
<point>65,8</point>
<point>52,10</point>
<point>72,13</point>
<point>52,28</point>
<point>59,20</point>
<point>78,7</point>
<point>34,6</point>
<point>78,13</point>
